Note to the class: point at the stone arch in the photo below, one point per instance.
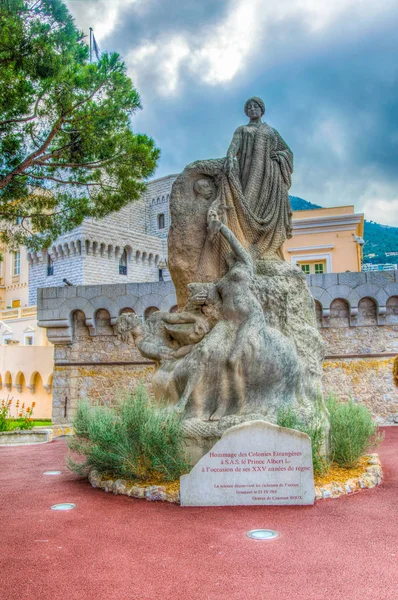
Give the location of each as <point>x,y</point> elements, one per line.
<point>370,290</point>
<point>20,381</point>
<point>102,249</point>
<point>95,248</point>
<point>102,322</point>
<point>149,311</point>
<point>127,309</point>
<point>392,310</point>
<point>167,302</point>
<point>318,312</point>
<point>79,246</point>
<point>340,313</point>
<point>110,250</point>
<point>36,383</point>
<point>129,251</point>
<point>8,381</point>
<point>367,312</point>
<point>102,302</point>
<point>123,260</point>
<point>78,324</point>
<point>32,380</point>
<point>128,300</point>
<point>71,304</point>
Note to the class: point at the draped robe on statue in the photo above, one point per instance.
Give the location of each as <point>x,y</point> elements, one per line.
<point>254,200</point>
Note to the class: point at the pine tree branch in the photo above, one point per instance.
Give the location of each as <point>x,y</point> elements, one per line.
<point>30,159</point>
<point>25,119</point>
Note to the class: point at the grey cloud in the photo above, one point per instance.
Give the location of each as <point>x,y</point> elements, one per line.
<point>332,95</point>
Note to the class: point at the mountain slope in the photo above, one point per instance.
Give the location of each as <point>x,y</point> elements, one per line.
<point>298,203</point>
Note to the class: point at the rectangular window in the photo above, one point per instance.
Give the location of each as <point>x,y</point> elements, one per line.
<point>312,267</point>
<point>16,265</point>
<point>29,340</point>
<point>16,303</point>
<point>161,275</point>
<point>161,221</point>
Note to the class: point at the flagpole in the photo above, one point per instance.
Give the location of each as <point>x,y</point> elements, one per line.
<point>91,45</point>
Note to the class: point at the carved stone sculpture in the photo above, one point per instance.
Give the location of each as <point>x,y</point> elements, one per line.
<point>248,190</point>
<point>213,366</point>
<point>245,343</point>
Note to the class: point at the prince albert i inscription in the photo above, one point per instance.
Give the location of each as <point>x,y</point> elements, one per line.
<point>255,463</point>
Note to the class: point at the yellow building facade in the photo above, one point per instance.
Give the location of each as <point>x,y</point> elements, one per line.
<point>26,355</point>
<point>326,240</point>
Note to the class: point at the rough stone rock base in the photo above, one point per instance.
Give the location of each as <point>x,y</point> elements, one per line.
<point>164,493</point>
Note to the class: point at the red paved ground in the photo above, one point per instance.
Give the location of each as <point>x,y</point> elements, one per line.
<point>116,548</point>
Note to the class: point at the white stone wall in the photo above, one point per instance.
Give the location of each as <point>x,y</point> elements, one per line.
<point>70,269</point>
<point>157,199</point>
<point>90,254</point>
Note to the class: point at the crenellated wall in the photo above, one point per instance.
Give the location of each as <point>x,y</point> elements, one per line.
<point>357,315</point>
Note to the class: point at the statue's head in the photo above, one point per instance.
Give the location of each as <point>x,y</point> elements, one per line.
<point>254,106</point>
<point>202,187</point>
<point>128,325</point>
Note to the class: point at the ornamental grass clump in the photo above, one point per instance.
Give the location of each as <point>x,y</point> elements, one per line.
<point>288,417</point>
<point>132,440</point>
<point>352,430</point>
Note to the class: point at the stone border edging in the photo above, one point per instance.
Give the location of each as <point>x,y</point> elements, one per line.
<point>19,437</point>
<point>369,479</point>
<point>121,486</point>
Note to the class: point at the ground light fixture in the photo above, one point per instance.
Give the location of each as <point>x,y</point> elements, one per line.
<point>262,534</point>
<point>63,506</point>
<point>52,472</point>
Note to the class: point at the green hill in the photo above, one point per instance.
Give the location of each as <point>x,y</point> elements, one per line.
<point>301,204</point>
<point>379,239</point>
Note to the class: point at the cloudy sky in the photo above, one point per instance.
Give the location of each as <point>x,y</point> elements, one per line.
<point>326,69</point>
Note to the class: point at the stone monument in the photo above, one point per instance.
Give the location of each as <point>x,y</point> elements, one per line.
<point>253,463</point>
<point>244,343</point>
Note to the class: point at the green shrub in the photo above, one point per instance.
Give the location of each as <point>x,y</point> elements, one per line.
<point>288,417</point>
<point>352,431</point>
<point>133,440</point>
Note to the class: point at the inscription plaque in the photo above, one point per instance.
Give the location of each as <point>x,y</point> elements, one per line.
<point>255,463</point>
